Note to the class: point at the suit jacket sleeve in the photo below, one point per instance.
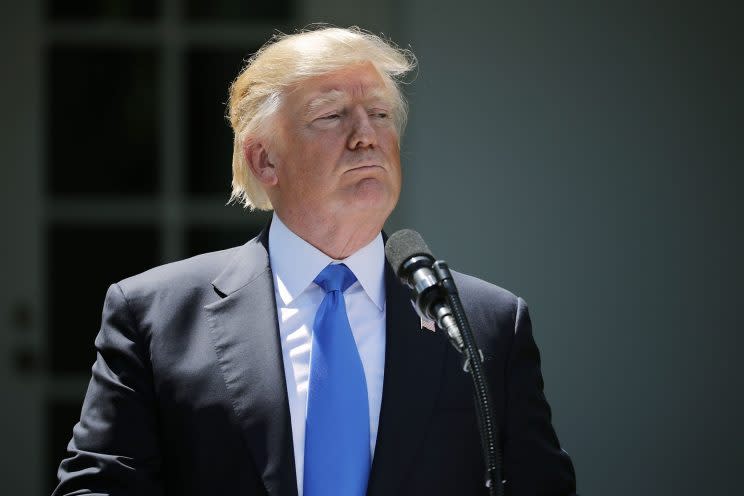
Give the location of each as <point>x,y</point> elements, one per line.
<point>534,462</point>
<point>114,448</point>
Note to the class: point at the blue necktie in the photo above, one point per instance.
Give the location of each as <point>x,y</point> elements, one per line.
<point>337,451</point>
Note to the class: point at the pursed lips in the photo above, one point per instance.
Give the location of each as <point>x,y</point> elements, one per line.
<point>364,167</point>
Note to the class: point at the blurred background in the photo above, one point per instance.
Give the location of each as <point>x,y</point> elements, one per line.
<point>585,155</point>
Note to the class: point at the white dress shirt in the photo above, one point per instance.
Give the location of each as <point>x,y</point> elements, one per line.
<point>295,263</point>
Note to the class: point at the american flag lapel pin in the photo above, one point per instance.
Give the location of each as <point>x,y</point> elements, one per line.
<point>427,324</point>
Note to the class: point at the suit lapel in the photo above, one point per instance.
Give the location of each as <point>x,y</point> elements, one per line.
<point>414,363</point>
<point>245,333</point>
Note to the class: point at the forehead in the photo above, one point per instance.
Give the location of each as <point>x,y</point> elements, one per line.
<point>361,81</point>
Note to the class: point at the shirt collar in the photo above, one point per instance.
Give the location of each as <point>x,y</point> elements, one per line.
<point>295,263</point>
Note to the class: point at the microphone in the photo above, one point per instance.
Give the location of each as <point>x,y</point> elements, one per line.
<point>413,263</point>
<point>435,297</point>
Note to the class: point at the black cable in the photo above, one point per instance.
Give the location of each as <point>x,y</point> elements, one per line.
<point>473,364</point>
<point>484,408</point>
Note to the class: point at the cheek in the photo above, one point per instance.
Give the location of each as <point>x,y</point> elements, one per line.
<point>389,139</point>
<point>394,153</point>
<point>311,162</point>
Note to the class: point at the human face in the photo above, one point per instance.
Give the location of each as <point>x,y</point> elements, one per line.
<point>336,151</point>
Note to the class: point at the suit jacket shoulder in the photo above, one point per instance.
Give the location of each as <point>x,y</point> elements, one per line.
<point>484,300</point>
<point>176,278</point>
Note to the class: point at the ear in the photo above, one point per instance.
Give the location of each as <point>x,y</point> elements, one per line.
<point>257,158</point>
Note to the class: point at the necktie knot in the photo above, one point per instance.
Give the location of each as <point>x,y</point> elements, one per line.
<point>335,277</point>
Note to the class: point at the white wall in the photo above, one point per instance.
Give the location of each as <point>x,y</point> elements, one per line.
<point>588,157</point>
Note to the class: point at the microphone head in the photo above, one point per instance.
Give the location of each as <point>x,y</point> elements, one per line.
<point>402,245</point>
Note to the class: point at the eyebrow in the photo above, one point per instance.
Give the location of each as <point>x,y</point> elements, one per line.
<point>334,96</point>
<point>326,98</point>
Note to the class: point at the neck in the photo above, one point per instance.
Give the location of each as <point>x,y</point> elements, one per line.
<point>339,238</point>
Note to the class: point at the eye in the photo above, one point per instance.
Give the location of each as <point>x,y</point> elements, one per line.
<point>331,115</point>
<point>379,114</point>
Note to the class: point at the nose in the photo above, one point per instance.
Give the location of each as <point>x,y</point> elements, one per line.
<point>363,133</point>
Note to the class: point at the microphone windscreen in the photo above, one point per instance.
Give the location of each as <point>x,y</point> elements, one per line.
<point>403,245</point>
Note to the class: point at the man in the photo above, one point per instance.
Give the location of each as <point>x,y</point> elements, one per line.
<point>294,364</point>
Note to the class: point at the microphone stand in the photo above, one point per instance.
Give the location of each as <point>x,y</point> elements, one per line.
<point>458,331</point>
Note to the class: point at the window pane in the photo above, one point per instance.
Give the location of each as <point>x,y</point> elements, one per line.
<point>209,139</point>
<point>82,262</point>
<point>76,10</point>
<point>256,10</point>
<point>102,134</point>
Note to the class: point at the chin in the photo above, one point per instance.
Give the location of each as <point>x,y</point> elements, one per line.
<point>372,194</point>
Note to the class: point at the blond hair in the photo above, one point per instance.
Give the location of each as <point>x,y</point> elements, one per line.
<point>285,60</point>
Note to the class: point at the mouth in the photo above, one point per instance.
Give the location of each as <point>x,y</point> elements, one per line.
<point>365,168</point>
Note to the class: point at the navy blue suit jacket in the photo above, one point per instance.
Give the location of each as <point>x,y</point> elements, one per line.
<point>188,397</point>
